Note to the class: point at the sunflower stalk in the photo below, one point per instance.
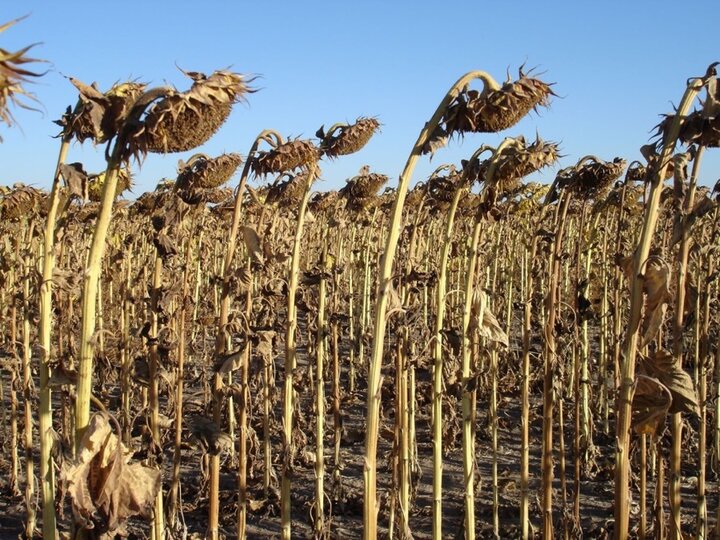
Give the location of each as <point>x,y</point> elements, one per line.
<point>629,349</point>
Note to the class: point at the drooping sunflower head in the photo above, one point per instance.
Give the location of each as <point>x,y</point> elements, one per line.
<point>324,200</point>
<point>504,171</point>
<point>592,177</point>
<point>344,139</point>
<point>181,121</point>
<point>20,201</point>
<point>99,116</point>
<point>202,175</point>
<point>287,190</point>
<point>286,156</point>
<point>494,109</point>
<point>701,127</point>
<point>360,191</point>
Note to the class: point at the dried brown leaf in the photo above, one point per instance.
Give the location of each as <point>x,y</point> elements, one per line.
<point>104,487</point>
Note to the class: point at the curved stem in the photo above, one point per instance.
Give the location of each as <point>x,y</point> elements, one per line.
<point>47,472</point>
<point>624,399</point>
<point>214,484</point>
<point>370,507</point>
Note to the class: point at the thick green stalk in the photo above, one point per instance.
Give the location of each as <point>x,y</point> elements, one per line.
<point>89,297</point>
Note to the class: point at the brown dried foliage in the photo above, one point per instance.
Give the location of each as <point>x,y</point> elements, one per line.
<point>99,116</point>
<point>104,487</point>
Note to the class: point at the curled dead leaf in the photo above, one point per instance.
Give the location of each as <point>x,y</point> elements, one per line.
<point>650,405</point>
<point>104,487</point>
<point>485,322</point>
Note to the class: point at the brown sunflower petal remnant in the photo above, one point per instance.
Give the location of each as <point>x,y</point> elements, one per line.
<point>12,78</point>
<point>650,405</point>
<point>104,487</point>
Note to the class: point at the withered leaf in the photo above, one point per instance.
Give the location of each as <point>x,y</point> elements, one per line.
<point>104,487</point>
<point>254,245</point>
<point>485,322</point>
<point>75,177</point>
<point>208,434</point>
<point>656,281</point>
<point>650,405</point>
<point>226,363</point>
<point>668,371</point>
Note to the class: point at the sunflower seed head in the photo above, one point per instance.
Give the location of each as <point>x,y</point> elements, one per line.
<point>360,191</point>
<point>348,139</point>
<point>490,111</point>
<point>517,161</point>
<point>181,121</point>
<point>21,201</point>
<point>202,175</point>
<point>286,157</point>
<point>592,178</point>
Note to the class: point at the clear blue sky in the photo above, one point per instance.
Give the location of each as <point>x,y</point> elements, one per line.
<point>617,66</point>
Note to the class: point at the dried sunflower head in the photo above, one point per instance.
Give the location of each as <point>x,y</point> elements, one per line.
<point>344,139</point>
<point>201,175</point>
<point>494,109</point>
<point>12,78</point>
<point>591,177</point>
<point>97,181</point>
<point>636,172</point>
<point>359,192</point>
<point>99,116</point>
<point>181,121</point>
<point>286,156</point>
<point>20,201</point>
<point>701,127</point>
<point>441,188</point>
<point>516,161</point>
<point>323,201</point>
<point>288,192</point>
